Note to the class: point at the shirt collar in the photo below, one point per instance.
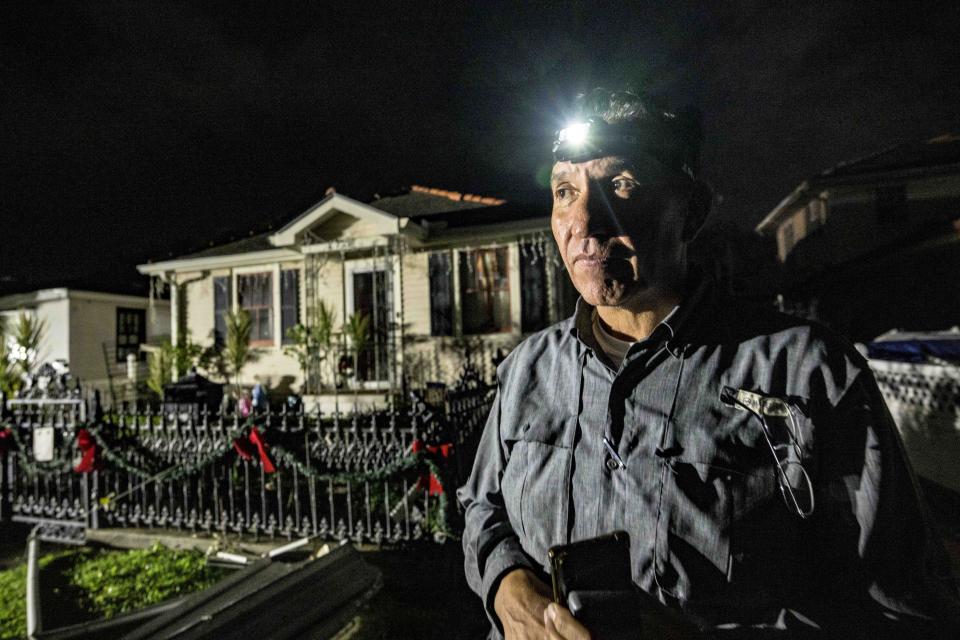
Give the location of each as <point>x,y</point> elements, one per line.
<point>676,328</point>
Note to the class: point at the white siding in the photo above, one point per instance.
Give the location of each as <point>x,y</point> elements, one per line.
<point>198,297</point>
<point>93,323</point>
<point>271,365</point>
<point>416,294</point>
<point>329,287</point>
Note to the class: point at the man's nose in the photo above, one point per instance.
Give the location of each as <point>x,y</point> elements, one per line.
<point>593,216</point>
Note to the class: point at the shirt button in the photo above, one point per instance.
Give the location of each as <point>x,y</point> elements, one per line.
<point>612,464</point>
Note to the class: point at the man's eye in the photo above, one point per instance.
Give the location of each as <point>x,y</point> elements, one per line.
<point>625,185</point>
<point>563,193</point>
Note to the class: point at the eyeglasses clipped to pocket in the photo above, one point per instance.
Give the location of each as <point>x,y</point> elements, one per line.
<point>777,419</point>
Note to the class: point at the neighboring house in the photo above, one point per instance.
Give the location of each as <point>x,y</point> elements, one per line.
<point>442,277</point>
<point>92,331</point>
<point>874,244</point>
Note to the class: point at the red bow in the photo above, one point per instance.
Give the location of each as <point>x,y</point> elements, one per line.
<point>88,449</point>
<point>428,480</point>
<point>245,451</point>
<point>443,449</point>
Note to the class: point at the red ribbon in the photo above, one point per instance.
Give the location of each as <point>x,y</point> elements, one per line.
<point>88,449</point>
<point>429,481</point>
<point>245,451</point>
<point>443,449</point>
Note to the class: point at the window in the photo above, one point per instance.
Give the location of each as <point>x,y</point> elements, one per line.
<point>484,291</point>
<point>131,332</point>
<point>255,296</point>
<point>289,301</point>
<point>222,302</point>
<point>533,288</point>
<point>441,294</point>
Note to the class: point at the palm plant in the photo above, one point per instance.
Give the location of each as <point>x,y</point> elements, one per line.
<point>171,362</point>
<point>9,380</point>
<point>312,342</point>
<point>213,363</point>
<point>186,354</point>
<point>237,351</point>
<point>357,330</point>
<point>27,336</point>
<point>160,368</point>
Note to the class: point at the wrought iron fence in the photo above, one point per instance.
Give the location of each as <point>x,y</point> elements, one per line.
<point>378,476</point>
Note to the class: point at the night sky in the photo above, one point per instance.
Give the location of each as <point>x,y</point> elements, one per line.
<point>135,131</point>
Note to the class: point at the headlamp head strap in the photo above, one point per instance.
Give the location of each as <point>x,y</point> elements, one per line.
<point>596,138</point>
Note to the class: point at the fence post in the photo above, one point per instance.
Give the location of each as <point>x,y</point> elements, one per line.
<point>34,620</point>
<point>4,472</point>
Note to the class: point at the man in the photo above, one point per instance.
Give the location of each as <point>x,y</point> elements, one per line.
<point>748,455</point>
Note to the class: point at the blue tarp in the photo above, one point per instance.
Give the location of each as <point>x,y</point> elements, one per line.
<point>915,350</point>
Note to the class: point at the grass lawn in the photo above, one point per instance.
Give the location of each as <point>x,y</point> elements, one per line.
<point>82,584</point>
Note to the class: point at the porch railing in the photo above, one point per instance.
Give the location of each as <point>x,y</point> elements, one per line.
<point>380,477</point>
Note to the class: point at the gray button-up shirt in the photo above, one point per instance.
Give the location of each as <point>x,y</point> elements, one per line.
<point>698,490</point>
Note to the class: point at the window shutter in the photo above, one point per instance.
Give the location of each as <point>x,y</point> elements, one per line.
<point>222,296</point>
<point>289,301</point>
<point>533,289</point>
<point>441,294</point>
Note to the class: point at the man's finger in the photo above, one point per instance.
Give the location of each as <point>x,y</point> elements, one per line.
<point>561,625</point>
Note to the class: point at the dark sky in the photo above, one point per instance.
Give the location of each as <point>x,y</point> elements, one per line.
<point>135,130</point>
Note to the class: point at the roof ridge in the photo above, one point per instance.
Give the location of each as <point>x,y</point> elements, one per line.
<point>867,156</point>
<point>457,196</point>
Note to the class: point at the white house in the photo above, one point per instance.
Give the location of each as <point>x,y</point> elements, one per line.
<point>92,331</point>
<point>441,275</point>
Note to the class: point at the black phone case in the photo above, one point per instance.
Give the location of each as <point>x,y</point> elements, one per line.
<point>597,564</point>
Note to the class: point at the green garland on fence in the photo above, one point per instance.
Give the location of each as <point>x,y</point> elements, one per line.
<point>406,463</point>
<point>64,462</point>
<point>173,472</point>
<point>61,463</point>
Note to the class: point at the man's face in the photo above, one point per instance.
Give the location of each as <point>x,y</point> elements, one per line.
<point>618,224</point>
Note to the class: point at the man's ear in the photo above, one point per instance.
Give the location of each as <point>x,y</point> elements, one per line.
<point>700,206</point>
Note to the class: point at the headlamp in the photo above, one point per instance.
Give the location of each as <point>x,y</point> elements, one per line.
<point>595,138</point>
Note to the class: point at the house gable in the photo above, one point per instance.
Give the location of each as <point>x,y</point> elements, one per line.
<point>336,217</point>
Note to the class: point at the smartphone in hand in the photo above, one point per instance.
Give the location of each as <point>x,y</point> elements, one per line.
<point>593,579</point>
<point>597,564</point>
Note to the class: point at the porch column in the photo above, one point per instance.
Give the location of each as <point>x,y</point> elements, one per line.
<point>174,310</point>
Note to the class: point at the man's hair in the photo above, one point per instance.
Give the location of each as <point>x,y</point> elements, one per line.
<point>680,132</point>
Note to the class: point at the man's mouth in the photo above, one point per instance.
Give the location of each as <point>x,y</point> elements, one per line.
<point>591,262</point>
<point>598,260</point>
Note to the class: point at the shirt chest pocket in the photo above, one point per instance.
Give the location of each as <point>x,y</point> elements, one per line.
<point>536,491</point>
<point>708,511</point>
<point>729,515</point>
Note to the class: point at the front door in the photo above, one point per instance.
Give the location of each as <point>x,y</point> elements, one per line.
<point>372,297</point>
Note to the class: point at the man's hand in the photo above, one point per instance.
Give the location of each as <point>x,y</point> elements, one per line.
<point>561,625</point>
<point>520,603</point>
